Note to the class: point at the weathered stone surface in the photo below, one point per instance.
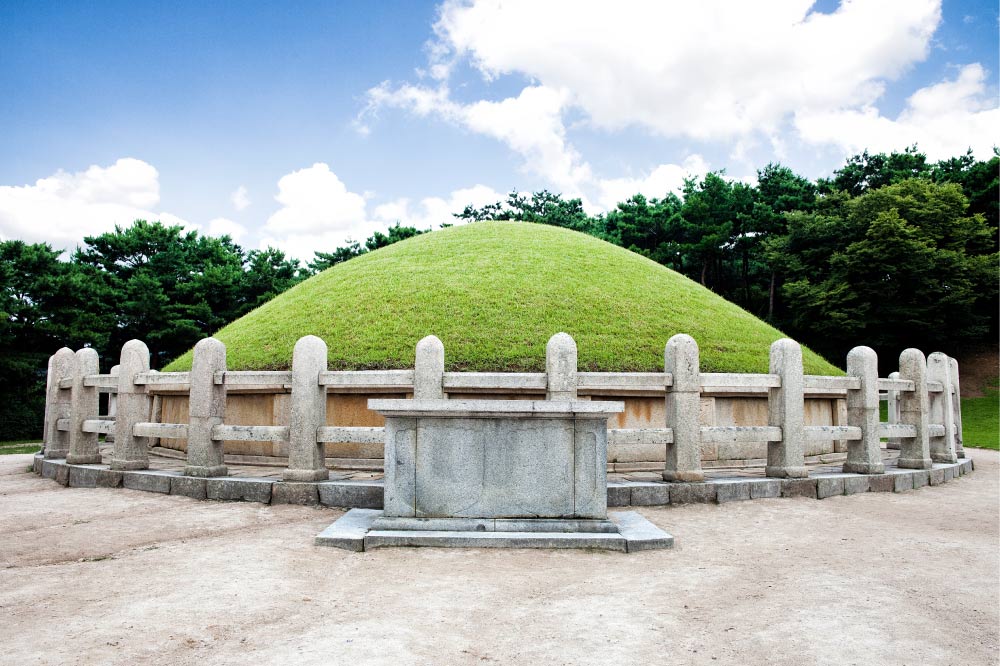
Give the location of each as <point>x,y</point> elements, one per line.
<point>348,531</point>
<point>49,468</point>
<point>548,540</point>
<point>148,480</point>
<point>732,491</point>
<point>82,477</point>
<point>306,460</point>
<point>855,484</point>
<point>683,405</point>
<point>921,478</point>
<point>619,495</point>
<point>942,409</point>
<point>639,533</point>
<point>949,473</point>
<point>765,488</point>
<point>902,481</point>
<point>560,368</point>
<point>400,467</point>
<point>864,455</point>
<point>239,489</point>
<point>829,486</point>
<point>133,406</point>
<point>935,476</point>
<point>786,409</point>
<point>58,404</point>
<point>967,465</point>
<point>881,483</point>
<point>359,494</point>
<point>692,493</point>
<point>914,452</point>
<point>206,410</point>
<point>428,370</point>
<point>957,407</point>
<point>590,468</point>
<point>188,486</point>
<point>892,411</point>
<point>36,463</point>
<point>286,492</point>
<point>83,447</point>
<point>798,488</point>
<point>62,474</point>
<point>650,494</point>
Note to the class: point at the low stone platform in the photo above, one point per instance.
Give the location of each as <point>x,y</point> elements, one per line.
<point>354,489</point>
<point>354,531</point>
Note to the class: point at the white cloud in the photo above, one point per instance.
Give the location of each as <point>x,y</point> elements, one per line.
<point>661,181</point>
<point>431,212</point>
<point>943,119</point>
<point>65,207</point>
<point>239,198</point>
<point>221,226</point>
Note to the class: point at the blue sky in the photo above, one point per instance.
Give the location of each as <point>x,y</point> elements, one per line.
<point>302,124</point>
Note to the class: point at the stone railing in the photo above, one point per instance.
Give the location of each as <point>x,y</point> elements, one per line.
<point>923,405</point>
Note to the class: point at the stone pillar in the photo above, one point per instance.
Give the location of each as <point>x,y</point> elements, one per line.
<point>207,409</point>
<point>786,409</point>
<point>306,460</point>
<point>914,452</point>
<point>683,407</point>
<point>942,409</point>
<point>957,404</point>
<point>112,405</point>
<point>83,446</point>
<point>133,406</point>
<point>560,368</point>
<point>864,456</point>
<point>62,365</point>
<point>892,412</point>
<point>428,370</point>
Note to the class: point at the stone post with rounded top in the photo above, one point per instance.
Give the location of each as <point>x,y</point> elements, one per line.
<point>58,403</point>
<point>560,367</point>
<point>683,408</point>
<point>83,446</point>
<point>306,459</point>
<point>892,412</point>
<point>864,456</point>
<point>957,406</point>
<point>942,409</point>
<point>133,406</point>
<point>914,452</point>
<point>428,370</point>
<point>786,409</point>
<point>206,409</point>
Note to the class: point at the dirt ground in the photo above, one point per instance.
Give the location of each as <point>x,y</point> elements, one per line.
<point>100,576</point>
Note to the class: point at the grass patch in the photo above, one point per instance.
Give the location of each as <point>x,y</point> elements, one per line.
<point>981,420</point>
<point>7,448</point>
<point>495,293</point>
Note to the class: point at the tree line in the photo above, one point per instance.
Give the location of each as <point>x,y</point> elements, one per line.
<point>891,251</point>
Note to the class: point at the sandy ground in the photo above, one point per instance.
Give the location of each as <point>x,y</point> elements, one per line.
<point>100,576</point>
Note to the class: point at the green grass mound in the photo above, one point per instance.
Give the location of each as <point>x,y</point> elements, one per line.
<point>494,293</point>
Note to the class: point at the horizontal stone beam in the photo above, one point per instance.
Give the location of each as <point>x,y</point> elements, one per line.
<point>827,383</point>
<point>100,426</point>
<point>163,430</point>
<point>619,381</point>
<point>738,380</point>
<point>895,385</point>
<point>101,381</point>
<point>640,436</point>
<point>459,381</point>
<point>357,435</point>
<point>62,425</point>
<point>935,387</point>
<point>245,433</point>
<point>367,379</point>
<point>740,434</point>
<point>826,433</point>
<point>935,430</point>
<point>161,378</point>
<point>243,379</point>
<point>896,430</point>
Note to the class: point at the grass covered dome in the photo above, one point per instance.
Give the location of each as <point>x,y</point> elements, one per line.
<point>494,293</point>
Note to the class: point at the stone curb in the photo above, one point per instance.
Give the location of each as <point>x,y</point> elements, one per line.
<point>368,494</point>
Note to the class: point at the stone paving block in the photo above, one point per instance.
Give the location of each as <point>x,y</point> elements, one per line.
<point>650,494</point>
<point>855,484</point>
<point>692,493</point>
<point>363,495</point>
<point>109,478</point>
<point>829,486</point>
<point>239,489</point>
<point>188,486</point>
<point>348,531</point>
<point>949,473</point>
<point>798,488</point>
<point>619,494</point>
<point>49,468</point>
<point>881,483</point>
<point>968,465</point>
<point>591,540</point>
<point>62,474</point>
<point>36,463</point>
<point>639,533</point>
<point>935,476</point>
<point>765,488</point>
<point>920,478</point>
<point>732,491</point>
<point>902,481</point>
<point>82,477</point>
<point>294,492</point>
<point>148,480</point>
